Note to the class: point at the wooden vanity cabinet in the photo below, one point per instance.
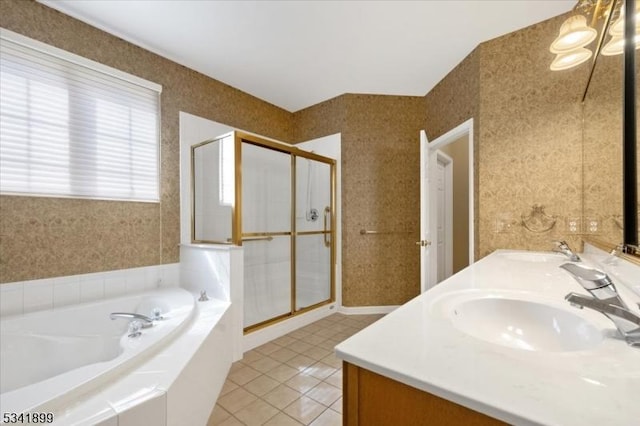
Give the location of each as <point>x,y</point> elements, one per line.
<point>370,399</point>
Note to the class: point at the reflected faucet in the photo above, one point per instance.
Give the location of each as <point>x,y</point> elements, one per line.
<point>563,247</point>
<point>144,320</point>
<point>605,300</point>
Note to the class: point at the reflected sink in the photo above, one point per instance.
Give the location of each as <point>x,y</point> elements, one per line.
<point>523,324</point>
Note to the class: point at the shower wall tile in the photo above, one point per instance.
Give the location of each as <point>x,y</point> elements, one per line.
<point>46,237</point>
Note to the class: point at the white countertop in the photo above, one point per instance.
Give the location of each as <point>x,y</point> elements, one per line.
<point>418,345</point>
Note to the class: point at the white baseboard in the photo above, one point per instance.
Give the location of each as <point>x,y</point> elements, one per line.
<point>264,335</point>
<point>367,310</point>
<point>267,334</point>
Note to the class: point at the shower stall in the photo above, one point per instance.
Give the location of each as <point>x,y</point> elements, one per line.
<point>278,202</point>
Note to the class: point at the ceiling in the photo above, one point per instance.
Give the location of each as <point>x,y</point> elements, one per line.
<point>295,54</point>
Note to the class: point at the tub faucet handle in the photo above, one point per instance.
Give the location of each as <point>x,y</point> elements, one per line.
<point>156,314</point>
<point>203,296</point>
<point>134,329</point>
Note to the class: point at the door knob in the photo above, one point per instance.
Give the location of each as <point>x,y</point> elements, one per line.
<point>423,243</point>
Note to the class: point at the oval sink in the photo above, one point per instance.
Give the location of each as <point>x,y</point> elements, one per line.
<point>523,324</point>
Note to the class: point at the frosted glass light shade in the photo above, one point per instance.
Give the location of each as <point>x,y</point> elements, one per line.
<point>617,29</point>
<point>574,33</point>
<point>570,59</point>
<point>615,46</point>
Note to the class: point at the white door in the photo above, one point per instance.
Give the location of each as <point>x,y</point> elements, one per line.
<point>425,234</point>
<point>441,215</point>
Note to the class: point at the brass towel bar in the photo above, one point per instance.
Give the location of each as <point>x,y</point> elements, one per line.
<point>267,238</point>
<point>366,232</point>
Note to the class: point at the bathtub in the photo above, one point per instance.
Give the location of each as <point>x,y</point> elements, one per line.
<point>49,358</point>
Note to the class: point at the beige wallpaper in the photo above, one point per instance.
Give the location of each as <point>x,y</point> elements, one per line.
<point>454,100</point>
<point>527,151</point>
<point>380,191</point>
<point>602,148</point>
<point>527,140</point>
<point>47,237</point>
<point>530,142</point>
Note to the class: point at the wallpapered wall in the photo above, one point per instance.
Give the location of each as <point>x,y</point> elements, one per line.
<point>527,151</point>
<point>527,135</point>
<point>48,237</point>
<point>530,138</point>
<point>380,192</point>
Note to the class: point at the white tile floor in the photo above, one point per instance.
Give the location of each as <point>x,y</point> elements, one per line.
<point>293,380</point>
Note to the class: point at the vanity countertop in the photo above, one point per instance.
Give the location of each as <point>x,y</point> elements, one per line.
<point>419,345</point>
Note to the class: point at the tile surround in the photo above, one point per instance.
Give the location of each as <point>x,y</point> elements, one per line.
<point>309,394</point>
<point>55,293</point>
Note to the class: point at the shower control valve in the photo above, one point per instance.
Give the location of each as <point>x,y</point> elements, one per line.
<point>313,215</point>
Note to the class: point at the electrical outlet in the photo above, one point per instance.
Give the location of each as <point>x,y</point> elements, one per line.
<point>592,225</point>
<point>573,225</point>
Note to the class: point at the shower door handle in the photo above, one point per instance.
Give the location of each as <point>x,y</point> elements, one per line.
<point>326,236</point>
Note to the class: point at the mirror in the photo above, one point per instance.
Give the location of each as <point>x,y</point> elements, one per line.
<point>603,151</point>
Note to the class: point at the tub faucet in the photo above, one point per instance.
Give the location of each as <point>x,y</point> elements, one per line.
<point>144,320</point>
<point>563,247</point>
<point>605,300</point>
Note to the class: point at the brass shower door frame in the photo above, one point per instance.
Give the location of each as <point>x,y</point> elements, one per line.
<point>238,235</point>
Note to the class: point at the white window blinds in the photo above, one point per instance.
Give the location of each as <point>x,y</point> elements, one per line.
<point>71,127</point>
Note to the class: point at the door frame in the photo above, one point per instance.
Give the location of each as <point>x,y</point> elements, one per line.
<point>426,147</point>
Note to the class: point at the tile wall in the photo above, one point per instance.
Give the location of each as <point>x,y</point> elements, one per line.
<point>23,297</point>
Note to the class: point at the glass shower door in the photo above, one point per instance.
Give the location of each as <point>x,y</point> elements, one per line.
<point>313,226</point>
<point>266,233</point>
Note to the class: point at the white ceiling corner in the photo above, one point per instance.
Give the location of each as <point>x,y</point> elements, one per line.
<point>295,54</point>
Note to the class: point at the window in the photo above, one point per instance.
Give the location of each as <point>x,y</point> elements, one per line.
<point>71,127</point>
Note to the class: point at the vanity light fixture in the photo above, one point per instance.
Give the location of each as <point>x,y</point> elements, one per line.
<point>564,61</point>
<point>617,28</point>
<point>575,35</point>
<point>615,46</point>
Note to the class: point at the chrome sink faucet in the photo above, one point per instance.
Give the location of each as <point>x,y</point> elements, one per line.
<point>605,300</point>
<point>144,320</point>
<point>563,247</point>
